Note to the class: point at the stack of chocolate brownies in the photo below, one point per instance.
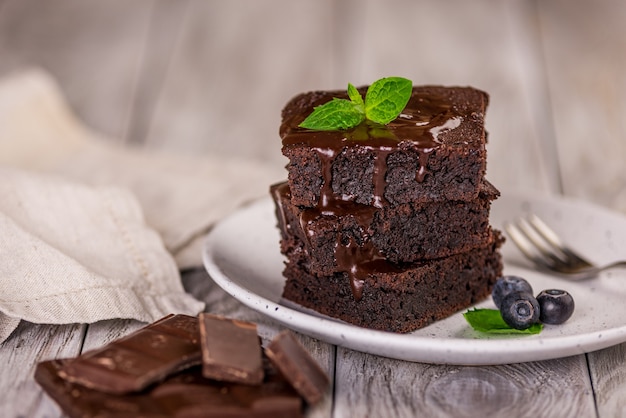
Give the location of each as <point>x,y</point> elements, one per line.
<point>387,226</point>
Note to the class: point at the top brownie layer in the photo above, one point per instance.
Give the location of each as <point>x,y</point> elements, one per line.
<point>433,151</point>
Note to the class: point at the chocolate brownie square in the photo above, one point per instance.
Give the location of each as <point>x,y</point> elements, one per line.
<point>403,233</point>
<point>397,298</point>
<point>433,151</point>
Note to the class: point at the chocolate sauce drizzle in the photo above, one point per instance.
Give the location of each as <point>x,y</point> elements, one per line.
<point>356,258</point>
<point>418,126</point>
<point>278,191</point>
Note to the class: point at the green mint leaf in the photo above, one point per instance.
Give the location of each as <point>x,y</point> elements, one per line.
<point>386,98</point>
<point>334,115</point>
<point>384,101</point>
<point>490,321</point>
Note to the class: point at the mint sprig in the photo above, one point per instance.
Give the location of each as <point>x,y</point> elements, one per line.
<point>384,100</point>
<point>490,321</point>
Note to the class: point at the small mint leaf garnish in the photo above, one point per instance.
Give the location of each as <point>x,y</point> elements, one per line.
<point>386,98</point>
<point>333,115</point>
<point>356,98</point>
<point>490,321</point>
<point>384,101</point>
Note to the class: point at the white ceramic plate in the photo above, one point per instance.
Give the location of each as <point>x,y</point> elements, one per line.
<point>242,255</point>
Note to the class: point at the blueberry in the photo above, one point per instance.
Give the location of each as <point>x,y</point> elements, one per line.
<point>556,306</point>
<point>520,310</point>
<point>508,284</point>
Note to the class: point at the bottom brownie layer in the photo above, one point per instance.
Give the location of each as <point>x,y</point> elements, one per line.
<point>402,301</point>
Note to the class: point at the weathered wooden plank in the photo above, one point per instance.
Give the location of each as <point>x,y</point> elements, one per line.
<point>608,375</point>
<point>92,48</point>
<point>585,56</point>
<point>371,386</point>
<point>166,22</point>
<point>233,72</point>
<point>20,396</point>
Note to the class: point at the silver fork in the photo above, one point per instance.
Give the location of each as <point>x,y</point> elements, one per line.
<point>540,244</point>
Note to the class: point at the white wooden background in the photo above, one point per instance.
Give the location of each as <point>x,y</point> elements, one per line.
<point>210,77</point>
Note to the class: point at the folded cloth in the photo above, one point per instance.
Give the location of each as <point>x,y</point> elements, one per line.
<point>71,253</point>
<point>92,229</point>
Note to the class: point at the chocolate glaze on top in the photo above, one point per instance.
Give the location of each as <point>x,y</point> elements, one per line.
<point>425,117</point>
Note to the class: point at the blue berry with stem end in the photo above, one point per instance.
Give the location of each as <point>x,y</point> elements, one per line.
<point>509,284</point>
<point>520,310</point>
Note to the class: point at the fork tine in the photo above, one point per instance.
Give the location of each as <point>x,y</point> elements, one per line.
<point>552,254</point>
<point>530,250</point>
<point>547,251</point>
<point>553,239</point>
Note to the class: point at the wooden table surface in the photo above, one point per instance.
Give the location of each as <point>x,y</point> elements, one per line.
<point>210,77</point>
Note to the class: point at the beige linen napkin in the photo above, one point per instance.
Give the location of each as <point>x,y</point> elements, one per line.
<point>94,230</point>
<point>71,253</point>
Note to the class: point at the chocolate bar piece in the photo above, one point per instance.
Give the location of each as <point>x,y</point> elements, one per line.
<point>231,350</point>
<point>187,394</point>
<point>144,357</point>
<point>298,367</point>
<point>78,401</point>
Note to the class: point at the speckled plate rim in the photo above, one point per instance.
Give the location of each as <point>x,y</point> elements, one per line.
<point>241,254</point>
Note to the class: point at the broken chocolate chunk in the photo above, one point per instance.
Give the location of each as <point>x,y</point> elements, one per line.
<point>158,371</point>
<point>140,359</point>
<point>186,394</point>
<point>298,367</point>
<point>79,401</point>
<point>231,350</point>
